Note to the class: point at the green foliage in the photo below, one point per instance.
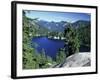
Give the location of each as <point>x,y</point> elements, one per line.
<point>60,57</point>
<point>28,58</point>
<point>53,34</point>
<point>31,58</point>
<point>28,62</point>
<point>71,42</point>
<point>85,35</point>
<point>45,61</point>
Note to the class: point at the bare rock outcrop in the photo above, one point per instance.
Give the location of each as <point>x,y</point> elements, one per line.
<point>77,60</point>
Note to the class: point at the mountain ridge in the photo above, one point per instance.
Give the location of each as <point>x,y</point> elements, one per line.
<point>60,26</point>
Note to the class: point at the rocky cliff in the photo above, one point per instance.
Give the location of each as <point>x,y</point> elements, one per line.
<point>77,60</point>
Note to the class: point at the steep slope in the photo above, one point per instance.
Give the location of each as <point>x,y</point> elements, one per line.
<point>80,23</point>
<point>78,60</point>
<point>60,26</point>
<point>53,26</point>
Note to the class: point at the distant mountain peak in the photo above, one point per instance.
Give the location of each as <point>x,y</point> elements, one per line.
<point>60,26</point>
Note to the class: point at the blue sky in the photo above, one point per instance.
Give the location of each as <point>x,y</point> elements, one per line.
<point>58,16</point>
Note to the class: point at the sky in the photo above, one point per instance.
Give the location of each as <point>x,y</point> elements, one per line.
<point>58,16</point>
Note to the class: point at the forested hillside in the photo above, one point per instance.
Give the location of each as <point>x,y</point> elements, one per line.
<point>32,59</point>
<point>75,34</point>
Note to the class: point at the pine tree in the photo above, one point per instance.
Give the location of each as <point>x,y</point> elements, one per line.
<point>71,41</point>
<point>60,57</point>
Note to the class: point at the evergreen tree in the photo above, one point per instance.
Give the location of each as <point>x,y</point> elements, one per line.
<point>31,58</point>
<point>85,35</point>
<point>60,57</point>
<point>71,41</point>
<point>28,57</point>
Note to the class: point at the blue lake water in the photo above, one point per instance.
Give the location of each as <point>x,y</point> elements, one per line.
<point>52,46</point>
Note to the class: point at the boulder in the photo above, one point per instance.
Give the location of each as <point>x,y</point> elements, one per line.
<point>77,60</point>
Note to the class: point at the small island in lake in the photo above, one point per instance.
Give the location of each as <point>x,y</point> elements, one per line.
<point>53,39</point>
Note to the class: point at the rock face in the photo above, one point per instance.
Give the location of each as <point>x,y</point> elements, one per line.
<point>77,60</point>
